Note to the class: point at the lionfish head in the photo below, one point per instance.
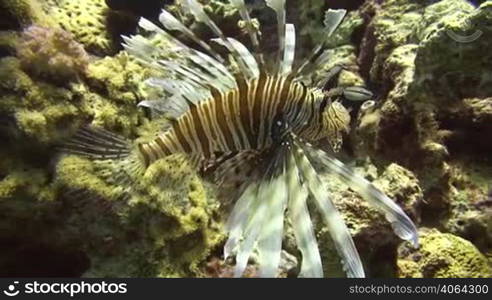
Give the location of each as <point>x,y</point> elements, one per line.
<point>335,122</point>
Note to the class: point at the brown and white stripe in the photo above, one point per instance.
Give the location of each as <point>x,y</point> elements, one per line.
<point>240,119</point>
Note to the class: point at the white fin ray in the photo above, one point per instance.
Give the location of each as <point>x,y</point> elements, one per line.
<point>253,227</point>
<point>182,92</point>
<point>236,222</point>
<point>270,238</point>
<point>139,47</point>
<point>243,11</point>
<point>222,78</point>
<point>197,11</point>
<point>246,61</point>
<point>247,57</point>
<point>301,223</point>
<point>333,19</point>
<point>279,7</point>
<point>181,70</point>
<point>336,225</point>
<point>401,223</point>
<point>289,50</point>
<point>171,23</point>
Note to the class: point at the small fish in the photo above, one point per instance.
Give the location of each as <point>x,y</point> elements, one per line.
<point>231,110</point>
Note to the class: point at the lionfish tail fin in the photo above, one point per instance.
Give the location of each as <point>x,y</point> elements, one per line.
<point>402,225</point>
<point>116,160</point>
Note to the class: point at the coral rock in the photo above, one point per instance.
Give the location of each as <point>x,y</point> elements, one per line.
<point>443,255</point>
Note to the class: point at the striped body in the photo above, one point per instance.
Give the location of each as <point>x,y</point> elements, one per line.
<point>241,119</point>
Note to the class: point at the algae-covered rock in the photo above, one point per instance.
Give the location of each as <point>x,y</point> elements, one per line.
<point>119,78</point>
<point>426,83</point>
<point>164,227</point>
<point>443,255</point>
<point>373,235</point>
<point>8,42</point>
<point>471,216</point>
<point>14,14</point>
<point>43,112</point>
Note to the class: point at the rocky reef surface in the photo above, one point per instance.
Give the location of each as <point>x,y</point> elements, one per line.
<point>426,143</point>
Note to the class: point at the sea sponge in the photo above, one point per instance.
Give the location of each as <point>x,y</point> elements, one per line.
<point>52,53</point>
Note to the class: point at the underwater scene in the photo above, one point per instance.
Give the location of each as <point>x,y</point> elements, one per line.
<point>246,138</point>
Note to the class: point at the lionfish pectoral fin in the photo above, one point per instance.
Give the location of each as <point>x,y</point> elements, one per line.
<point>118,161</point>
<point>336,225</point>
<point>252,225</point>
<point>301,223</point>
<point>402,225</point>
<point>232,168</point>
<point>257,219</point>
<point>270,239</point>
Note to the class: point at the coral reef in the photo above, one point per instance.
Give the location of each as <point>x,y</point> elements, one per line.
<point>164,230</point>
<point>426,143</point>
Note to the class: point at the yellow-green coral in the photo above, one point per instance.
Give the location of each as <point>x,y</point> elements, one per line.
<point>87,20</point>
<point>170,209</point>
<point>8,42</point>
<point>443,255</point>
<point>45,112</point>
<point>42,111</point>
<point>120,78</point>
<point>27,184</point>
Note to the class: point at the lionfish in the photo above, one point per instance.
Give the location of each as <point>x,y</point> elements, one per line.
<point>236,110</point>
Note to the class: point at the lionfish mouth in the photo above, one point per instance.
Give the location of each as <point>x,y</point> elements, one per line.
<point>230,104</point>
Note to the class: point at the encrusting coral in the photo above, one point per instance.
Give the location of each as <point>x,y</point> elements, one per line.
<point>443,255</point>
<point>93,24</point>
<point>169,217</point>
